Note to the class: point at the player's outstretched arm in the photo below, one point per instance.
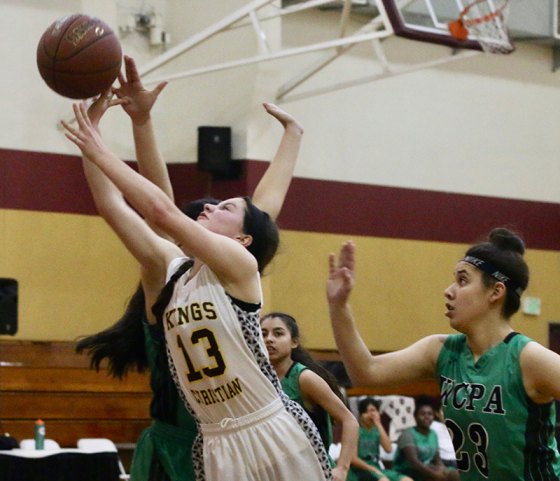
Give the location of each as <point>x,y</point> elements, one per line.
<point>271,191</point>
<point>234,265</point>
<point>138,103</point>
<point>133,231</point>
<point>413,363</point>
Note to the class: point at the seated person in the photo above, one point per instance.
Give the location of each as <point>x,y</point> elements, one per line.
<point>446,449</point>
<point>366,466</point>
<point>418,450</point>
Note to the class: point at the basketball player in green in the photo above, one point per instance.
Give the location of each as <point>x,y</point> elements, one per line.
<point>498,387</point>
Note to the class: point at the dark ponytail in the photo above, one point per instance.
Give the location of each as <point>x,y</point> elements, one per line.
<point>165,295</point>
<point>122,343</point>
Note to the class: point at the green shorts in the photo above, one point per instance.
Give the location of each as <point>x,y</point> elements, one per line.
<point>165,448</point>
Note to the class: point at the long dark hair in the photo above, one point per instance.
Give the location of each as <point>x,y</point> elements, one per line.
<point>301,355</point>
<point>123,344</point>
<point>260,226</point>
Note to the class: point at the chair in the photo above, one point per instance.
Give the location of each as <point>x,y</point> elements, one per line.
<point>49,445</point>
<point>103,445</point>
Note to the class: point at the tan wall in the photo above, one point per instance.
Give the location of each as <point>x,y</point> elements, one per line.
<point>75,278</point>
<point>399,288</point>
<point>74,275</point>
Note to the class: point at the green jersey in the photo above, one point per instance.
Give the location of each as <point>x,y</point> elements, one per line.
<point>498,432</point>
<point>290,385</point>
<point>163,450</point>
<point>426,449</point>
<point>368,446</point>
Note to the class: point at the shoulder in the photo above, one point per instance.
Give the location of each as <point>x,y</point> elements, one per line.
<point>454,341</point>
<point>173,265</point>
<point>406,438</point>
<point>531,352</point>
<point>306,376</point>
<point>537,362</point>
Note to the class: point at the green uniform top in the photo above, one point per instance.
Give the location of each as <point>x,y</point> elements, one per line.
<point>498,432</point>
<point>163,451</point>
<point>290,385</point>
<point>368,446</point>
<point>166,404</point>
<point>426,446</point>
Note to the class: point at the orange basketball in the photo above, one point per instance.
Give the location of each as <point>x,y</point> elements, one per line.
<point>79,56</point>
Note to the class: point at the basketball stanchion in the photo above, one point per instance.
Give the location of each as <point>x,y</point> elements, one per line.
<point>487,25</point>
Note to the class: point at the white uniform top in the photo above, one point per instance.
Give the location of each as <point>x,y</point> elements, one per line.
<point>215,368</point>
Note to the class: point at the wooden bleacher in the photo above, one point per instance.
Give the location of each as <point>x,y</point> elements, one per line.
<point>48,380</point>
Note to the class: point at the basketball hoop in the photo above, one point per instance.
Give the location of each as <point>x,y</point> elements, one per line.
<point>486,24</point>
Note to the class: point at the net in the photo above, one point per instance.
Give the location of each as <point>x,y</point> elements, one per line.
<point>485,23</point>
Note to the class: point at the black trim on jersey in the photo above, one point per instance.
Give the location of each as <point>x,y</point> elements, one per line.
<point>510,336</point>
<point>540,458</point>
<point>246,306</point>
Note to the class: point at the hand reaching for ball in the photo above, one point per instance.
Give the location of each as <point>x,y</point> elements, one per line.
<point>87,137</point>
<point>100,105</point>
<point>137,100</point>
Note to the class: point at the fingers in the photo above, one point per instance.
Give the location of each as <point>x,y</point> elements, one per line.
<point>131,70</point>
<point>346,257</point>
<point>332,262</point>
<point>71,133</point>
<point>159,87</point>
<point>80,117</point>
<point>121,79</point>
<point>274,110</point>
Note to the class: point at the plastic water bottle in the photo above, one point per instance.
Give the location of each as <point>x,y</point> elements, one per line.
<point>39,434</point>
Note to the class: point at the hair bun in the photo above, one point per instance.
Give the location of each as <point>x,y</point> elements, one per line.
<point>506,240</point>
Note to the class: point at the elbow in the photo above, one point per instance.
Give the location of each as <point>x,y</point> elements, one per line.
<point>360,378</point>
<point>159,213</point>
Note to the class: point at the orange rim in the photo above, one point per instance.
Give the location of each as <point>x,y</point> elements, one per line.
<point>484,18</point>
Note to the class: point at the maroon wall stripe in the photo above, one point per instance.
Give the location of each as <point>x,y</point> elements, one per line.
<point>55,183</point>
<point>372,210</point>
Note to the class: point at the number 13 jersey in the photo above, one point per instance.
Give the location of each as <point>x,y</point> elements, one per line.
<point>498,432</point>
<point>215,367</point>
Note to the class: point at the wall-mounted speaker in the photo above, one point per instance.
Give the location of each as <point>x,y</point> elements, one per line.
<point>214,152</point>
<point>8,306</point>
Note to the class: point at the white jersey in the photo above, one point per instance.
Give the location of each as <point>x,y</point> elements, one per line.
<point>250,430</point>
<point>216,369</point>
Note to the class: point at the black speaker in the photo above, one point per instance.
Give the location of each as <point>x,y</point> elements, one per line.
<point>214,152</point>
<point>8,306</point>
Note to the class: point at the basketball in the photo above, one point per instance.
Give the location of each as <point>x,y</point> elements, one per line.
<point>79,56</point>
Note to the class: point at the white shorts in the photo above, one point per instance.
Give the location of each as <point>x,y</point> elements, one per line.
<point>268,445</point>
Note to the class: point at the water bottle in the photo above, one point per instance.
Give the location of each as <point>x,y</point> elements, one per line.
<point>39,434</point>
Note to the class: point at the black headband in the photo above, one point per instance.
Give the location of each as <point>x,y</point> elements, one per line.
<point>489,269</point>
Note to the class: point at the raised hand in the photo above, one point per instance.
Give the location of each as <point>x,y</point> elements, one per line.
<point>100,105</point>
<point>138,99</point>
<point>341,274</point>
<point>287,120</point>
<point>86,137</point>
